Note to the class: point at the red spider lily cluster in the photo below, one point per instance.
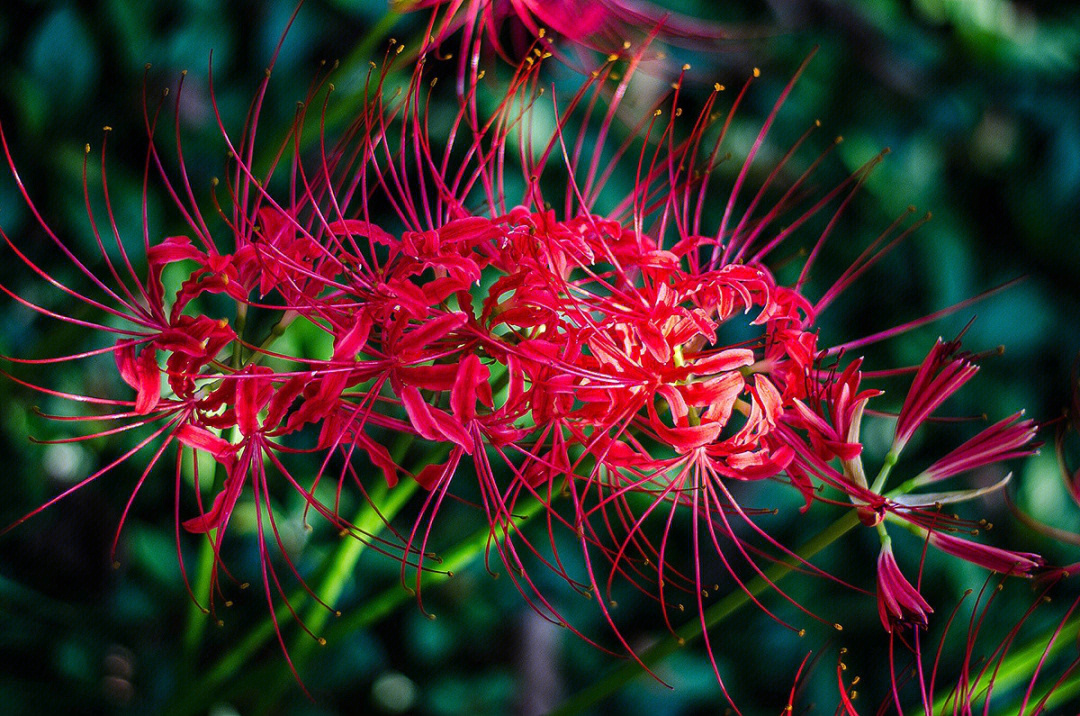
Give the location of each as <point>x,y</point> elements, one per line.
<point>546,349</point>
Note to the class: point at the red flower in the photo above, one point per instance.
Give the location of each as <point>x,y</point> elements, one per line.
<point>1020,564</point>
<point>560,351</point>
<point>1004,440</point>
<point>898,601</point>
<point>940,375</point>
<point>602,25</point>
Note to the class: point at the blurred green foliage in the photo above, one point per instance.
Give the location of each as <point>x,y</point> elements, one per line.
<point>979,102</point>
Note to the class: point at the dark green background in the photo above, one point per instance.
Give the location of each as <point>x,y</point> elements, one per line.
<point>978,101</point>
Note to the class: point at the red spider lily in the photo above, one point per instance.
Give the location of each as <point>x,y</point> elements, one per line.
<point>940,375</point>
<point>605,330</point>
<point>169,335</point>
<point>992,558</point>
<point>1004,440</point>
<point>937,378</point>
<point>898,601</point>
<point>560,351</point>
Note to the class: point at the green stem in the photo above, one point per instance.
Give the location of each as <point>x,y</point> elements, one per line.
<point>453,561</point>
<point>196,619</point>
<point>886,468</point>
<point>343,566</point>
<point>371,611</point>
<point>344,562</point>
<point>336,574</point>
<point>276,332</point>
<point>197,614</point>
<point>1062,695</point>
<point>715,614</point>
<point>377,607</point>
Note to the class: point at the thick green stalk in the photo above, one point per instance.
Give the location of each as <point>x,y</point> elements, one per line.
<point>715,614</point>
<point>198,615</point>
<point>453,561</point>
<point>371,611</point>
<point>335,576</point>
<point>345,558</point>
<point>379,606</point>
<point>196,619</point>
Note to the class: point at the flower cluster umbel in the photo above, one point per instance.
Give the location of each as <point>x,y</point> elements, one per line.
<point>555,352</point>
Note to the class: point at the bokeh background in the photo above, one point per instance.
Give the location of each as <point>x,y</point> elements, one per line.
<point>979,102</point>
